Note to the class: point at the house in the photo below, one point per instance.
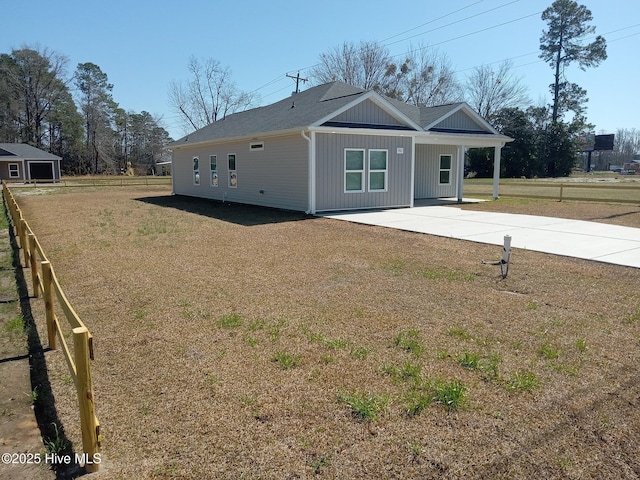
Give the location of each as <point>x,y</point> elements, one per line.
<point>333,147</point>
<point>22,162</point>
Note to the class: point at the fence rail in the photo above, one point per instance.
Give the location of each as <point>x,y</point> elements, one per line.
<point>578,191</point>
<point>99,181</point>
<point>46,285</point>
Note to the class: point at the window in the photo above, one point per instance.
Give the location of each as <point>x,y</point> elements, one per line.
<point>233,173</point>
<point>14,170</point>
<point>353,170</point>
<point>445,169</point>
<point>377,170</point>
<point>196,171</point>
<point>256,146</point>
<point>213,161</point>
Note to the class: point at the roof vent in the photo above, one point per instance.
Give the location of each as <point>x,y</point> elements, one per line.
<point>293,104</point>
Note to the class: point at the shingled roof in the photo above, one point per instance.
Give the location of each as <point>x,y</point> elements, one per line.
<point>22,151</point>
<point>302,110</point>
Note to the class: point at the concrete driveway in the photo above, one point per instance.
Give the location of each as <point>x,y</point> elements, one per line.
<point>559,236</point>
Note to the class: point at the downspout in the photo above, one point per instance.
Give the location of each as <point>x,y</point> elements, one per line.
<point>311,156</point>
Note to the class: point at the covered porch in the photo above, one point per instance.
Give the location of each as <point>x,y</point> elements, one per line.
<point>438,166</point>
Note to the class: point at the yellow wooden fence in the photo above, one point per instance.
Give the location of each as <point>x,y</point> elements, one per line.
<point>46,285</point>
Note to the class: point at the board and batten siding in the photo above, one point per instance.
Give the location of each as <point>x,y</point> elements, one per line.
<point>427,172</point>
<point>460,121</point>
<point>273,177</point>
<point>367,110</point>
<point>330,172</point>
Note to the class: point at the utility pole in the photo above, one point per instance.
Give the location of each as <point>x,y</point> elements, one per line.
<point>298,79</point>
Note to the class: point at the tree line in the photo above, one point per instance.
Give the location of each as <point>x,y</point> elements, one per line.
<point>74,116</point>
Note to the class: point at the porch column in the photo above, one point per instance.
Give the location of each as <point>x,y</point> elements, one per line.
<point>496,171</point>
<point>461,149</point>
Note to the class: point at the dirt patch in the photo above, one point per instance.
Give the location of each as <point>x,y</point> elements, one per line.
<point>240,342</point>
<point>19,433</point>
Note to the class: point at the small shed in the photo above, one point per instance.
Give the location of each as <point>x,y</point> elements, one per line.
<point>22,162</point>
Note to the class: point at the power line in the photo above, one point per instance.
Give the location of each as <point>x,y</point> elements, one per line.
<point>453,23</point>
<point>432,21</point>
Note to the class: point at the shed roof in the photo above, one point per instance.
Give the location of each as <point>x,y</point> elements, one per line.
<point>22,151</point>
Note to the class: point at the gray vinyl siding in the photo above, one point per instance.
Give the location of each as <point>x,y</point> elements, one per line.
<point>4,170</point>
<point>460,121</point>
<point>427,172</point>
<point>279,171</point>
<point>330,194</point>
<point>367,113</point>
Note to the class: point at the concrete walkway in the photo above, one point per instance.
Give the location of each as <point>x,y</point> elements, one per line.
<point>572,238</point>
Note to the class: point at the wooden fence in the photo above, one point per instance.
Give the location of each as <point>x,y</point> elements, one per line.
<point>97,181</point>
<point>46,285</point>
<point>576,191</point>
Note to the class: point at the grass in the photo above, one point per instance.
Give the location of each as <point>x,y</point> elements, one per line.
<point>219,391</point>
<point>410,341</point>
<point>365,406</point>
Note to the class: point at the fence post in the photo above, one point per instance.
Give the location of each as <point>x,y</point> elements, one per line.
<point>23,239</point>
<point>47,281</point>
<point>33,264</point>
<point>88,420</point>
<point>561,188</point>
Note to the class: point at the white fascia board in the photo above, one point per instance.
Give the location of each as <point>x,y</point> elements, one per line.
<point>378,100</point>
<point>469,111</point>
<point>363,131</point>
<point>468,140</point>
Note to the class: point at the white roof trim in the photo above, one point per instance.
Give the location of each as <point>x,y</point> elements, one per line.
<point>378,100</point>
<point>469,111</point>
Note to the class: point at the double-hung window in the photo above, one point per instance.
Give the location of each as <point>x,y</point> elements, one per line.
<point>445,169</point>
<point>353,170</point>
<point>196,171</point>
<point>14,170</point>
<point>213,162</point>
<point>377,170</point>
<point>233,173</point>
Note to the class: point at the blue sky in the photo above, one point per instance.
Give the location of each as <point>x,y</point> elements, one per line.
<point>143,45</point>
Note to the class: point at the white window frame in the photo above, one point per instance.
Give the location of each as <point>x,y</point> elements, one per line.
<point>256,146</point>
<point>378,170</point>
<point>233,173</point>
<point>448,170</point>
<point>14,173</point>
<point>352,171</point>
<point>213,165</point>
<point>196,170</point>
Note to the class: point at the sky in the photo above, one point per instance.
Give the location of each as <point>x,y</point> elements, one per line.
<point>144,45</point>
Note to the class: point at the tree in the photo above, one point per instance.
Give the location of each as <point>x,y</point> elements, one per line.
<point>208,96</point>
<point>33,80</point>
<point>423,78</point>
<point>563,43</point>
<point>97,107</point>
<point>364,65</point>
<point>429,79</point>
<point>490,91</point>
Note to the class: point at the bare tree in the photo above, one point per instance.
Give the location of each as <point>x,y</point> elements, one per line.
<point>430,79</point>
<point>364,65</point>
<point>208,96</point>
<point>489,90</point>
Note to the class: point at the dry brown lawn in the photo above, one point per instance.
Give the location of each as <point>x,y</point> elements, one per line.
<point>190,303</point>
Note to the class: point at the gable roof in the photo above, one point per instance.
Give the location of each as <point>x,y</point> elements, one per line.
<point>318,105</point>
<point>22,151</point>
